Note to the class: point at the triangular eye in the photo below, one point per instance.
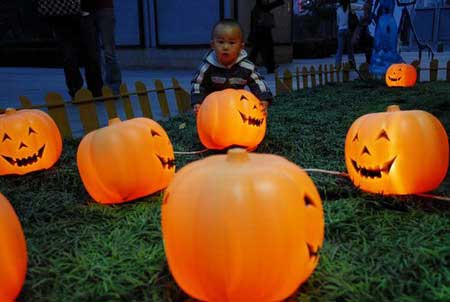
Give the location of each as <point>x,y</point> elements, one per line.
<point>243,98</point>
<point>5,137</point>
<point>154,133</point>
<point>30,130</point>
<point>356,137</point>
<point>383,134</point>
<point>308,201</point>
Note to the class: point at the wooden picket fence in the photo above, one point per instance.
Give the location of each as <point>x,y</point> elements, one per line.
<point>86,103</point>
<point>324,74</point>
<point>57,108</point>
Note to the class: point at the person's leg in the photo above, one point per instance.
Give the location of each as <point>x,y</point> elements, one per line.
<point>256,48</point>
<point>89,48</point>
<point>348,41</point>
<point>67,33</point>
<point>340,48</point>
<point>270,55</point>
<point>105,22</point>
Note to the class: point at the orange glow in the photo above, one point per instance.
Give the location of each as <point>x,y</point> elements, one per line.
<point>397,152</point>
<point>242,227</point>
<point>29,141</point>
<point>231,117</point>
<point>13,253</point>
<point>125,160</point>
<point>401,75</point>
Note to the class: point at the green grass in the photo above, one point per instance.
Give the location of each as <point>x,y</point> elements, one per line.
<point>376,248</point>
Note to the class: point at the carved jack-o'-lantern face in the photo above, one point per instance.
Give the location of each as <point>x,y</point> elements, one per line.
<point>29,141</point>
<point>231,117</point>
<point>249,208</point>
<point>125,160</point>
<point>397,152</point>
<point>401,75</point>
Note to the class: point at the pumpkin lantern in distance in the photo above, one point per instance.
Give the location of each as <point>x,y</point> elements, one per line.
<point>242,227</point>
<point>397,152</point>
<point>401,75</point>
<point>13,253</point>
<point>231,117</point>
<point>125,160</point>
<point>29,141</point>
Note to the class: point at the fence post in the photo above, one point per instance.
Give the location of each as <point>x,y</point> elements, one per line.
<point>338,69</point>
<point>448,71</point>
<point>312,71</point>
<point>297,77</point>
<point>434,70</point>
<point>26,102</point>
<point>162,98</point>
<point>319,70</point>
<point>346,72</point>
<point>305,77</point>
<point>416,64</point>
<point>144,99</point>
<point>57,110</point>
<point>182,96</point>
<point>88,112</point>
<point>287,79</point>
<point>331,73</point>
<point>325,72</point>
<point>109,102</point>
<point>126,101</point>
<point>280,85</point>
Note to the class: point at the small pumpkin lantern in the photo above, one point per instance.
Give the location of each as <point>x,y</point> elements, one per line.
<point>125,160</point>
<point>397,152</point>
<point>242,227</point>
<point>29,141</point>
<point>13,253</point>
<point>401,75</point>
<point>231,117</point>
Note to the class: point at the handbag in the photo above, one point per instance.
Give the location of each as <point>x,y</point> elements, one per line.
<point>57,8</point>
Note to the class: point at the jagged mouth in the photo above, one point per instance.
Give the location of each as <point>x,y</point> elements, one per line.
<point>251,120</point>
<point>22,162</point>
<point>313,252</point>
<point>373,172</point>
<point>394,79</point>
<point>167,163</point>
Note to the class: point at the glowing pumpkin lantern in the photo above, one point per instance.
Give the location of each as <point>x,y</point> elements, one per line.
<point>242,227</point>
<point>13,253</point>
<point>231,117</point>
<point>30,141</point>
<point>401,75</point>
<point>125,160</point>
<point>397,152</point>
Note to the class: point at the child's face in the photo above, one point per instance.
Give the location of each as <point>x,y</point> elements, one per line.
<point>227,43</point>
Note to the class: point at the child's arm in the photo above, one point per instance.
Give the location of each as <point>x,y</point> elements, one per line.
<point>198,89</point>
<point>258,85</point>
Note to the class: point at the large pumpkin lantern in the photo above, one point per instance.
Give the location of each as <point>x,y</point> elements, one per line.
<point>242,227</point>
<point>231,117</point>
<point>13,253</point>
<point>397,152</point>
<point>29,141</point>
<point>125,160</point>
<point>401,75</point>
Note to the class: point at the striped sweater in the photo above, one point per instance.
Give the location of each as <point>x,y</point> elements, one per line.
<point>212,76</point>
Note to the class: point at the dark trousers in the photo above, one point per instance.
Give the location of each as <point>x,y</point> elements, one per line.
<point>77,39</point>
<point>263,43</point>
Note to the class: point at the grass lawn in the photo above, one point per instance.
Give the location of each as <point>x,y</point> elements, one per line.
<point>376,248</point>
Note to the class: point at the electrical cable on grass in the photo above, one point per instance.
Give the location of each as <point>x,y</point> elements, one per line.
<point>190,152</point>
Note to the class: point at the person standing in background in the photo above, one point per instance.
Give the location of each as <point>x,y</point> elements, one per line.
<point>262,22</point>
<point>343,11</point>
<point>76,37</point>
<point>105,23</point>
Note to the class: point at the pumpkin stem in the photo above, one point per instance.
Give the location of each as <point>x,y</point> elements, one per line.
<point>392,108</point>
<point>113,121</point>
<point>237,155</point>
<point>10,111</point>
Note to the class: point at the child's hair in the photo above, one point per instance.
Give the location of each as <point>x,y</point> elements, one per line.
<point>226,22</point>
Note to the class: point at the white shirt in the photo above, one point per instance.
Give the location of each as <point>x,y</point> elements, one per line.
<point>342,17</point>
